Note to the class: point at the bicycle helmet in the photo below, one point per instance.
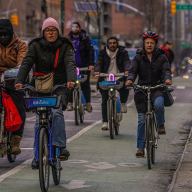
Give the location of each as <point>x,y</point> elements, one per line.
<point>150,34</point>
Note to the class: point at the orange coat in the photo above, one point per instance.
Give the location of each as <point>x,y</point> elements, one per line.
<point>12,55</point>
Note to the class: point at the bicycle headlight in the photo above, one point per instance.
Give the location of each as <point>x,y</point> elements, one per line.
<point>111,89</point>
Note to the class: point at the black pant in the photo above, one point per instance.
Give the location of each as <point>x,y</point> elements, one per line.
<point>86,89</point>
<point>124,93</point>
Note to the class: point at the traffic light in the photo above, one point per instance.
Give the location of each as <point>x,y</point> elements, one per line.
<point>173,7</point>
<point>14,19</point>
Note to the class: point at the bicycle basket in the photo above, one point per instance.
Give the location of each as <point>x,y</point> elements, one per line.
<point>35,102</point>
<point>105,85</point>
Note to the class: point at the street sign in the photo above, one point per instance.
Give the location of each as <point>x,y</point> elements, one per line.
<point>184,7</point>
<point>82,6</point>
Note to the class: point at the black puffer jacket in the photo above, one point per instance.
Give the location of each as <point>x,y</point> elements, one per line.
<point>122,61</point>
<point>41,56</point>
<point>149,73</point>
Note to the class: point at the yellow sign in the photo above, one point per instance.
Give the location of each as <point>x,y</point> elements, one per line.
<point>14,19</point>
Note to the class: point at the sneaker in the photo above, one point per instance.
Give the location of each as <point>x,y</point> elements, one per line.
<point>64,154</point>
<point>140,153</point>
<point>70,107</point>
<point>104,126</point>
<point>123,108</point>
<point>34,164</point>
<point>161,130</point>
<point>88,107</point>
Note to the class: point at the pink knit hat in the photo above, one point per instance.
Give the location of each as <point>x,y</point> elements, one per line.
<point>50,22</point>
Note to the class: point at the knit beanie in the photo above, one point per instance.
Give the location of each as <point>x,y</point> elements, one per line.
<point>50,22</point>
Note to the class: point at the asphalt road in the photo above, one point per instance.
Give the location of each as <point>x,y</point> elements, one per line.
<point>99,164</point>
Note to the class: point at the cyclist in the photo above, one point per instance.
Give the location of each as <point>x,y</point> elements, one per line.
<point>41,54</point>
<point>113,59</point>
<point>12,52</point>
<point>152,68</point>
<point>83,58</point>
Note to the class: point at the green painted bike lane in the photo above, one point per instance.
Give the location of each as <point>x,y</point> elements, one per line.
<point>99,164</point>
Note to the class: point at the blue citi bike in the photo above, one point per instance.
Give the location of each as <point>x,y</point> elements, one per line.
<point>46,154</point>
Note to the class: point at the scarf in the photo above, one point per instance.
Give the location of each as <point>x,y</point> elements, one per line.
<point>113,64</point>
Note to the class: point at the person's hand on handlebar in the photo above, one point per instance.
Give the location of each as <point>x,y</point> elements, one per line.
<point>168,82</point>
<point>91,68</point>
<point>70,84</point>
<point>96,73</point>
<point>18,86</point>
<point>128,83</point>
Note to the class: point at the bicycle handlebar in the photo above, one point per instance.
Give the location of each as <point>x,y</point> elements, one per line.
<point>145,87</point>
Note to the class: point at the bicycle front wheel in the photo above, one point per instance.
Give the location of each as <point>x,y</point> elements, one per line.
<point>44,168</point>
<point>153,148</point>
<point>148,124</point>
<point>76,107</point>
<point>111,119</point>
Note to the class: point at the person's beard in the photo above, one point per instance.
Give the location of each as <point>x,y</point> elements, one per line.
<point>5,40</point>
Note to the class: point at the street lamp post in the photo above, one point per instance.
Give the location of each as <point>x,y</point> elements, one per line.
<point>62,15</point>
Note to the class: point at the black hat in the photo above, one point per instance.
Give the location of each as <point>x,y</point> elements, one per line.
<point>6,26</point>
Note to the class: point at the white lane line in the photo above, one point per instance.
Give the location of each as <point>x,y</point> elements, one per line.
<point>15,170</point>
<point>180,87</point>
<point>83,131</point>
<point>27,162</point>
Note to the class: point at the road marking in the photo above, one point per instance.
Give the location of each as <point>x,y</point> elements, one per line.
<point>25,163</point>
<point>83,131</point>
<point>75,184</point>
<point>180,87</point>
<point>15,170</point>
<point>100,166</point>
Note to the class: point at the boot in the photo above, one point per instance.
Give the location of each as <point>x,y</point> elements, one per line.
<point>15,143</point>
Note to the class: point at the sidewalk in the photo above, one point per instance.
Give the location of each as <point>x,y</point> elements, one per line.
<point>184,177</point>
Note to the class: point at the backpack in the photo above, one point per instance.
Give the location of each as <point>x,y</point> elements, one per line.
<point>12,117</point>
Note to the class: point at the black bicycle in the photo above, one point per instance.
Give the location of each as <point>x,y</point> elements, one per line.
<point>46,153</point>
<point>78,98</point>
<point>113,104</point>
<point>151,133</point>
<point>8,77</point>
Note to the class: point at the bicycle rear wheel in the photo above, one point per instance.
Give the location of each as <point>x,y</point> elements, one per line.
<point>44,167</point>
<point>81,113</point>
<point>111,119</point>
<point>10,157</point>
<point>148,140</point>
<point>76,108</point>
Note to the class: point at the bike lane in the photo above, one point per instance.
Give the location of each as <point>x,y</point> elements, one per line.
<point>99,164</point>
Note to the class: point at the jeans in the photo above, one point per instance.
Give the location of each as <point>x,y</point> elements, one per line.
<point>58,128</point>
<point>124,93</point>
<point>159,113</point>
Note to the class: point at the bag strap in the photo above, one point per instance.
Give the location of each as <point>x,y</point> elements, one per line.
<point>56,58</point>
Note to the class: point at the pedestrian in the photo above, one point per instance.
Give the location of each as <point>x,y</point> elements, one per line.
<point>113,58</point>
<point>84,58</point>
<point>12,52</point>
<point>41,56</point>
<point>152,67</point>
